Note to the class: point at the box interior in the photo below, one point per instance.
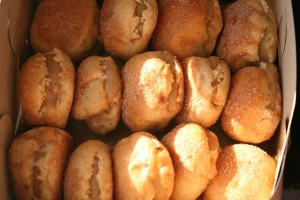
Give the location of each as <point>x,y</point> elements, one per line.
<point>15,19</point>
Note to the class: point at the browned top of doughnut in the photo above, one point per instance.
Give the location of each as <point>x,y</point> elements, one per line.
<point>71,26</point>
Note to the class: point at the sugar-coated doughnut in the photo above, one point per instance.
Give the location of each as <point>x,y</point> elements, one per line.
<point>194,152</point>
<point>98,94</point>
<point>89,172</point>
<point>249,35</point>
<point>71,26</point>
<point>254,106</point>
<point>36,160</point>
<point>187,28</point>
<point>142,168</point>
<point>244,172</point>
<point>152,90</point>
<point>206,83</point>
<point>126,26</point>
<point>46,89</point>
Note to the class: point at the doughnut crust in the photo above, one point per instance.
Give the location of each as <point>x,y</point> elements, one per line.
<point>249,35</point>
<point>46,89</point>
<point>206,82</point>
<point>187,28</point>
<point>37,160</point>
<point>88,174</point>
<point>254,106</point>
<point>244,172</point>
<point>98,94</point>
<point>153,91</point>
<point>194,152</point>
<point>143,168</point>
<point>127,26</point>
<point>71,26</point>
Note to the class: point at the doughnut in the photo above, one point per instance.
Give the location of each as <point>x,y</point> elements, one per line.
<point>244,172</point>
<point>36,160</point>
<point>249,35</point>
<point>127,26</point>
<point>194,152</point>
<point>98,94</point>
<point>254,106</point>
<point>142,168</point>
<point>71,26</point>
<point>206,82</point>
<point>187,28</point>
<point>89,172</point>
<point>152,90</point>
<point>46,89</point>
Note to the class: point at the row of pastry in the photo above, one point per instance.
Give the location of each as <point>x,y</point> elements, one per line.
<point>186,163</point>
<point>243,34</point>
<point>153,89</point>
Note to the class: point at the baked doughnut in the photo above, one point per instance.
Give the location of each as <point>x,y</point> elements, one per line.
<point>46,89</point>
<point>37,160</point>
<point>152,90</point>
<point>254,106</point>
<point>244,172</point>
<point>71,26</point>
<point>98,94</point>
<point>249,35</point>
<point>89,172</point>
<point>206,82</point>
<point>194,152</point>
<point>127,26</point>
<point>187,28</point>
<point>142,168</point>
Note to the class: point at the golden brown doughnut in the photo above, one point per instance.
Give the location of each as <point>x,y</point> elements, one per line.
<point>126,26</point>
<point>254,106</point>
<point>244,172</point>
<point>194,152</point>
<point>249,35</point>
<point>206,82</point>
<point>36,161</point>
<point>46,89</point>
<point>152,90</point>
<point>71,26</point>
<point>98,94</point>
<point>142,168</point>
<point>187,28</point>
<point>89,172</point>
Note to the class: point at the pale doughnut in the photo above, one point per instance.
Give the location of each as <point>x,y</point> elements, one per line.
<point>152,90</point>
<point>245,172</point>
<point>194,152</point>
<point>98,94</point>
<point>143,168</point>
<point>206,82</point>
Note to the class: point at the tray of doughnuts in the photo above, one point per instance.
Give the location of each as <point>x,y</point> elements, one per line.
<point>146,99</point>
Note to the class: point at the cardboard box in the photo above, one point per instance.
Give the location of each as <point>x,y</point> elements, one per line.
<point>15,48</point>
